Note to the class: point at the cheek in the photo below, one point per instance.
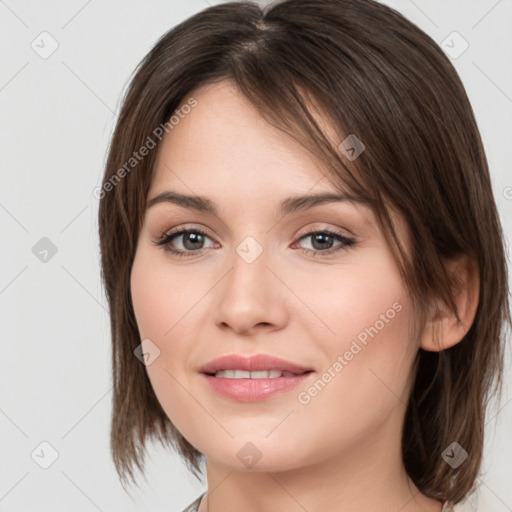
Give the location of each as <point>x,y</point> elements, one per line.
<point>161,301</point>
<point>348,299</point>
<point>365,384</point>
<point>161,298</point>
<point>167,306</point>
<point>370,354</point>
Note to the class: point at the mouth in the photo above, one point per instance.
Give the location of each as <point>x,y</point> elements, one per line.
<point>245,386</point>
<point>253,378</point>
<point>252,366</point>
<point>261,374</point>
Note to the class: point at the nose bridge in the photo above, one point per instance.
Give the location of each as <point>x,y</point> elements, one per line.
<point>248,275</point>
<point>249,295</point>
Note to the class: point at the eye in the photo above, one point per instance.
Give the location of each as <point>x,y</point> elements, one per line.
<point>192,240</point>
<point>322,242</point>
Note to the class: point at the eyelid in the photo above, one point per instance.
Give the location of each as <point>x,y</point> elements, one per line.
<point>184,227</point>
<point>200,229</point>
<point>324,227</point>
<point>346,241</point>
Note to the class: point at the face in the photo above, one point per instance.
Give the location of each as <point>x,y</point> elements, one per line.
<point>313,285</point>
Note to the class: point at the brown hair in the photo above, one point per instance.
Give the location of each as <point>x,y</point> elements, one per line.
<point>383,79</point>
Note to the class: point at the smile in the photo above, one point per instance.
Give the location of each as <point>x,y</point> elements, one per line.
<point>250,389</point>
<point>264,374</point>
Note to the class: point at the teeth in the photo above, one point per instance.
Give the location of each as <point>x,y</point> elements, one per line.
<point>242,374</point>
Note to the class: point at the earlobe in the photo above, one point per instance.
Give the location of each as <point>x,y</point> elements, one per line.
<point>443,326</point>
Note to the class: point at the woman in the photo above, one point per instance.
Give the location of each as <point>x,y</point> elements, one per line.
<point>303,261</point>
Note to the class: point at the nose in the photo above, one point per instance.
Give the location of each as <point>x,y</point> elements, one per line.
<point>250,298</point>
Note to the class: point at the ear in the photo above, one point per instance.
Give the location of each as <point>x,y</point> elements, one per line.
<point>466,292</point>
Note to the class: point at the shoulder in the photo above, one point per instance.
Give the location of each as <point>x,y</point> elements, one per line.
<point>193,507</point>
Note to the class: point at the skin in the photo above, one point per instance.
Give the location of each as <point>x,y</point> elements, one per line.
<point>340,451</point>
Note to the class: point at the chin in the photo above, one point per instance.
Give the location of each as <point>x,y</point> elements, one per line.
<point>257,456</point>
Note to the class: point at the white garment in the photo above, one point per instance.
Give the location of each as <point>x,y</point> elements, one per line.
<point>469,504</point>
<point>193,507</point>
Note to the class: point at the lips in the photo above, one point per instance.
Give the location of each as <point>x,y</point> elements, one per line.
<point>253,378</point>
<point>254,363</point>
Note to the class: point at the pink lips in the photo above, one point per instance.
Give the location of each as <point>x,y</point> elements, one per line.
<point>251,390</point>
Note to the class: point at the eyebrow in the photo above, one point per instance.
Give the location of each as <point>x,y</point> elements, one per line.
<point>287,206</point>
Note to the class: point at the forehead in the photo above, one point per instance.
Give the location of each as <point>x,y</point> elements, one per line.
<point>225,138</point>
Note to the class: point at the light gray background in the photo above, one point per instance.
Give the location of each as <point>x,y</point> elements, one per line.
<point>57,116</point>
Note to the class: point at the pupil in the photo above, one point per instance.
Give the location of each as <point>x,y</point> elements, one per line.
<point>196,238</point>
<point>320,237</point>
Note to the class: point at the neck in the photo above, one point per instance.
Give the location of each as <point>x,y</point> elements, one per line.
<point>369,475</point>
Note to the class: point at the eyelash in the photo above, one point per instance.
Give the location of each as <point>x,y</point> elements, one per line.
<point>165,240</point>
